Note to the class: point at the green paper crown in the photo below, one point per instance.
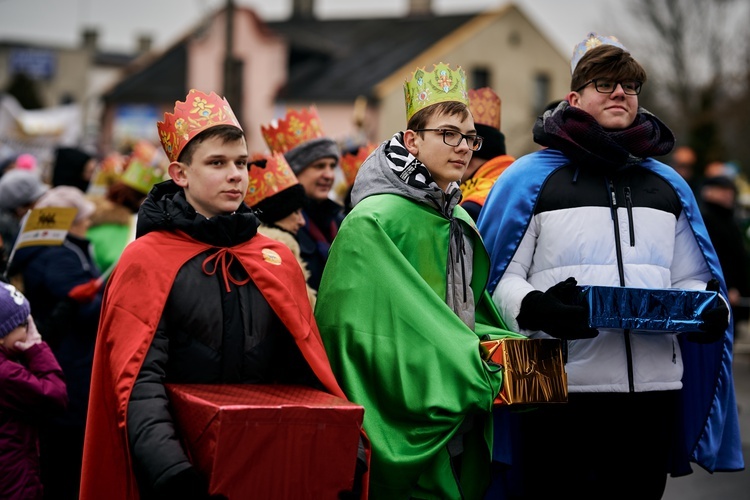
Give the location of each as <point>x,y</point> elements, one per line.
<point>440,85</point>
<point>139,176</point>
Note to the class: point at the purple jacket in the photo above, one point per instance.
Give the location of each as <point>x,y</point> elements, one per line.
<point>31,388</point>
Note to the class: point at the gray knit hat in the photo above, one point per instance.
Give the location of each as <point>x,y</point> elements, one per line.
<point>303,155</point>
<point>19,188</point>
<point>14,309</point>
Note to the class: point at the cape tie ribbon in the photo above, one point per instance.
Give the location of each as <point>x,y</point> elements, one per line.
<point>220,260</point>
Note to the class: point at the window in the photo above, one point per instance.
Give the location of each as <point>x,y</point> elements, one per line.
<point>541,92</point>
<point>480,77</point>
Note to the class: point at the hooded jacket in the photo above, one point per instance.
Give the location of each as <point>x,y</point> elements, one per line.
<point>215,303</point>
<point>401,308</point>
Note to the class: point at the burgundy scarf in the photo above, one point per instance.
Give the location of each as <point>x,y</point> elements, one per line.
<point>580,137</point>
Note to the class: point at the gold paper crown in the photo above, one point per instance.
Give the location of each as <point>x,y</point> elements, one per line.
<point>440,85</point>
<point>292,130</point>
<point>350,162</point>
<point>198,113</point>
<point>592,40</point>
<point>266,181</point>
<point>485,107</point>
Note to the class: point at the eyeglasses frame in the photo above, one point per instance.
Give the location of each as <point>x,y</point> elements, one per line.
<point>594,80</point>
<point>463,136</point>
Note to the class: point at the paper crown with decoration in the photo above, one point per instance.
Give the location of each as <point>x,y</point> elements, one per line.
<point>485,107</point>
<point>197,113</point>
<point>426,88</point>
<point>350,162</point>
<point>292,130</point>
<point>592,41</point>
<point>107,173</point>
<point>139,175</point>
<point>269,178</point>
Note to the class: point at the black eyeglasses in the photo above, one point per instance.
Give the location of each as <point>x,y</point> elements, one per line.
<point>604,86</point>
<point>453,138</point>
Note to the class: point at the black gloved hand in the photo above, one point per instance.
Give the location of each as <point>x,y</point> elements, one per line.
<point>715,320</point>
<point>555,312</point>
<point>185,485</point>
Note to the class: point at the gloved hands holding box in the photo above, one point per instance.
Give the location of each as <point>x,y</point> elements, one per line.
<point>555,312</point>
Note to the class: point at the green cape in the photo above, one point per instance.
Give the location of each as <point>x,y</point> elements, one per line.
<point>399,350</point>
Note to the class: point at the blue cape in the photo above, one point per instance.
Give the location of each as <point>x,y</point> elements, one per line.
<point>709,428</point>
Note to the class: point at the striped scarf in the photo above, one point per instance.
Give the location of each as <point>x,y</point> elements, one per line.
<point>408,168</point>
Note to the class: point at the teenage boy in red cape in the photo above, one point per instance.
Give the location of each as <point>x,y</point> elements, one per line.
<point>199,297</point>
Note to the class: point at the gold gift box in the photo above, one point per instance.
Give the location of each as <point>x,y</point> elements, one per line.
<point>533,370</point>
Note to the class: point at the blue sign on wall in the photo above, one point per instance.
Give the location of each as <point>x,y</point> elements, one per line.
<point>38,64</point>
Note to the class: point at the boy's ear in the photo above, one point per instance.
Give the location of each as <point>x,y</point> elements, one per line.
<point>176,171</point>
<point>573,99</point>
<point>410,142</point>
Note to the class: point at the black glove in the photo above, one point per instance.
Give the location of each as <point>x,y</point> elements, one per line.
<point>185,485</point>
<point>556,313</point>
<point>715,320</point>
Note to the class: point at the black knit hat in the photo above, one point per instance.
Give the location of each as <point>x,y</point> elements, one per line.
<point>493,144</point>
<point>278,206</point>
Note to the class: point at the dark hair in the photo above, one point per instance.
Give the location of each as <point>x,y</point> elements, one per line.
<point>450,108</point>
<point>122,194</point>
<point>227,133</point>
<point>607,61</point>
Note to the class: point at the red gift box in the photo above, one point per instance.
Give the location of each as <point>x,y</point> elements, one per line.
<point>268,441</point>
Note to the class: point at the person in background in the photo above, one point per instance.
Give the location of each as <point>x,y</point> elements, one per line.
<point>277,197</point>
<point>199,297</point>
<point>32,389</point>
<point>313,158</point>
<point>594,209</point>
<point>402,303</point>
<point>350,163</point>
<point>718,204</point>
<point>114,221</point>
<point>684,161</point>
<point>491,160</point>
<point>19,191</point>
<point>73,167</point>
<point>51,276</point>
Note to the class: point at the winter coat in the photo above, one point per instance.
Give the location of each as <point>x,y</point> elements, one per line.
<point>211,331</point>
<point>69,327</point>
<point>112,228</point>
<point>31,388</point>
<point>322,221</point>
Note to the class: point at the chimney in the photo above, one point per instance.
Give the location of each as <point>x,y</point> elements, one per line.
<point>420,7</point>
<point>89,39</point>
<point>303,9</point>
<point>144,44</point>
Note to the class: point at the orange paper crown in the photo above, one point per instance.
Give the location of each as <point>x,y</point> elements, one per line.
<point>198,113</point>
<point>292,130</point>
<point>350,162</point>
<point>485,106</point>
<point>266,181</point>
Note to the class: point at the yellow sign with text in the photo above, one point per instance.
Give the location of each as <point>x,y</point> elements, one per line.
<point>46,226</point>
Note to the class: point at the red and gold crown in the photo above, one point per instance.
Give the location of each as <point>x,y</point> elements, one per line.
<point>198,113</point>
<point>292,130</point>
<point>266,181</point>
<point>485,107</point>
<point>350,162</point>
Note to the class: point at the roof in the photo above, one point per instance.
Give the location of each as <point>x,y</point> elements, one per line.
<point>338,60</point>
<point>156,82</point>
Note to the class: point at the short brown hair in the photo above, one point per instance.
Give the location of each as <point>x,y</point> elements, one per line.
<point>606,61</point>
<point>227,133</point>
<point>450,108</point>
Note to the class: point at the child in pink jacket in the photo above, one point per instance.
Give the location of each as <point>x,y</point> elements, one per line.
<point>31,388</point>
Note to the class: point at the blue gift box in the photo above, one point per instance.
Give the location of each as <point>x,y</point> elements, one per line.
<point>647,309</point>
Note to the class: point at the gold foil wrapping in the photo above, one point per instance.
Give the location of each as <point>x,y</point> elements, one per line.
<point>533,370</point>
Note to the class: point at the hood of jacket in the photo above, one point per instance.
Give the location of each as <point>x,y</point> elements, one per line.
<point>378,175</point>
<point>167,209</point>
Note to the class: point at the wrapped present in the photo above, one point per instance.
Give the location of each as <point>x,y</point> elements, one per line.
<point>268,441</point>
<point>533,370</point>
<point>647,309</point>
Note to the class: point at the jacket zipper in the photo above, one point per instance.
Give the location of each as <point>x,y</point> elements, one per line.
<point>631,224</point>
<point>621,271</point>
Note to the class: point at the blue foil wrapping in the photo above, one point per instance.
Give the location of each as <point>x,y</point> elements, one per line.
<point>647,309</point>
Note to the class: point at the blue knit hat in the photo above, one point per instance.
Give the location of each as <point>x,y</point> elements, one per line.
<point>14,309</point>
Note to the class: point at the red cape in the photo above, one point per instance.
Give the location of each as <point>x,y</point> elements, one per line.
<point>131,309</point>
